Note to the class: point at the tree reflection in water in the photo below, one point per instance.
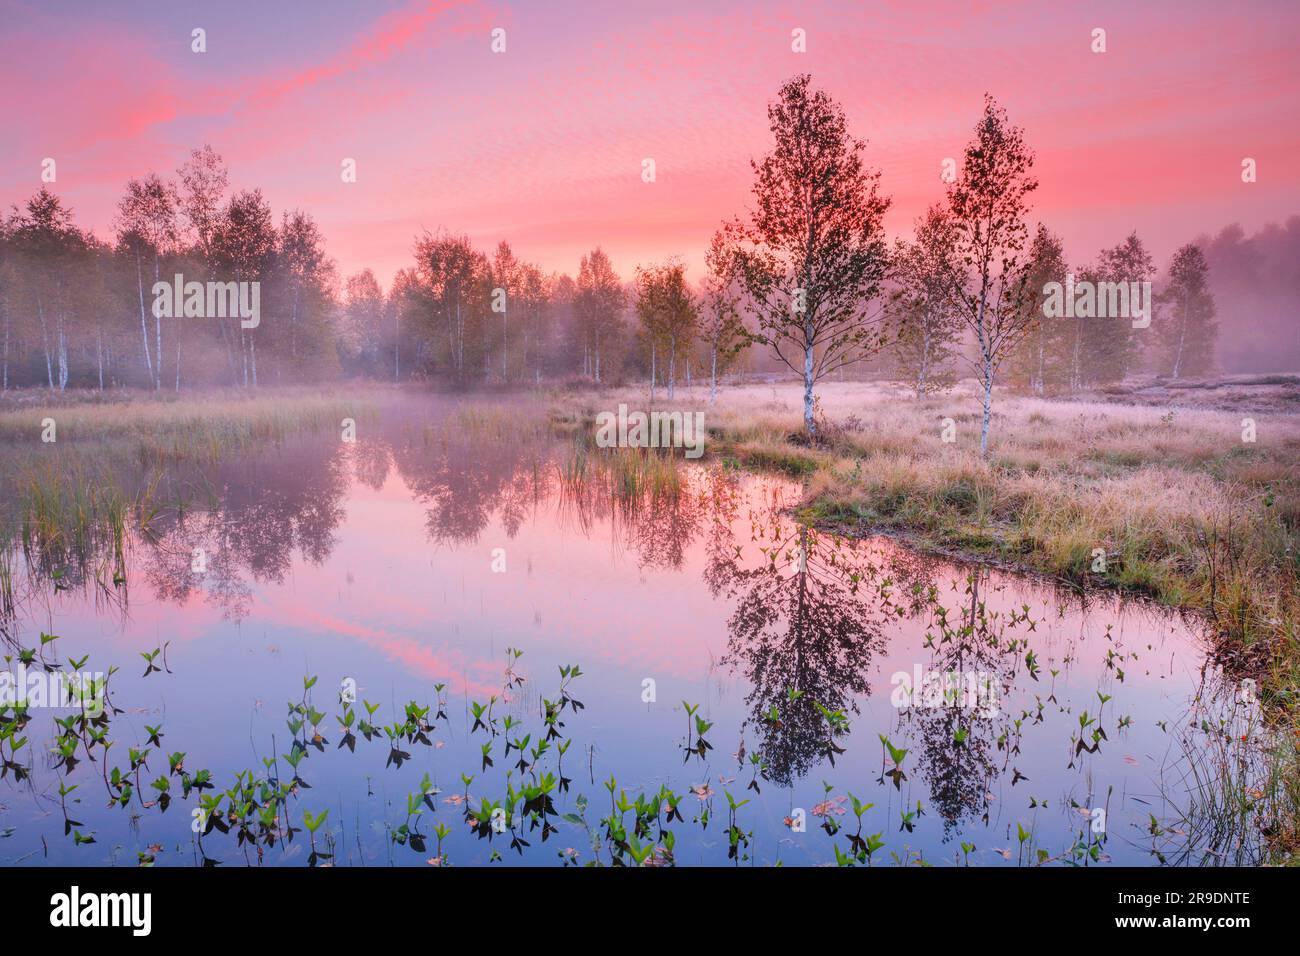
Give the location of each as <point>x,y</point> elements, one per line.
<point>960,739</point>
<point>810,614</point>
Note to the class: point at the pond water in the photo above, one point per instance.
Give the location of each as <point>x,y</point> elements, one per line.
<point>406,566</point>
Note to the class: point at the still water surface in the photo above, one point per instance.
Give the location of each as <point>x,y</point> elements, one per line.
<point>417,557</point>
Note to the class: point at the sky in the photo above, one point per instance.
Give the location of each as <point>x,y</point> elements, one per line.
<point>543,144</point>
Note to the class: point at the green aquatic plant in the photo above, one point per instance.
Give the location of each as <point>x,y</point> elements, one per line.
<point>149,658</point>
<point>644,827</point>
<point>737,839</point>
<point>837,726</point>
<point>696,728</point>
<point>897,756</point>
<point>314,823</point>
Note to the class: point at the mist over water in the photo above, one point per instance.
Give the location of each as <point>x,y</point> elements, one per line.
<point>421,553</point>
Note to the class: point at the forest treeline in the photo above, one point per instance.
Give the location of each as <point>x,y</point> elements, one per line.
<point>806,279</point>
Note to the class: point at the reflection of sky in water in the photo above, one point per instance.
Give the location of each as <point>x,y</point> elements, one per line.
<point>389,581</point>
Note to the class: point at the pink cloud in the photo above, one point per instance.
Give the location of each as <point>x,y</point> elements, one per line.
<point>543,145</point>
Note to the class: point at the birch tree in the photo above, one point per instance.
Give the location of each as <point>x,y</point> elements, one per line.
<point>506,275</point>
<point>47,247</point>
<point>721,292</point>
<point>813,253</point>
<point>650,314</point>
<point>667,310</point>
<point>1187,325</point>
<point>926,325</point>
<point>1109,341</point>
<point>200,194</point>
<point>146,225</point>
<point>598,302</point>
<point>988,205</point>
<point>453,276</point>
<point>203,183</point>
<point>243,246</point>
<point>301,260</point>
<point>1046,359</point>
<point>361,332</point>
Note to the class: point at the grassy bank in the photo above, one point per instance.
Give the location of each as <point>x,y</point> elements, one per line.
<point>1183,510</point>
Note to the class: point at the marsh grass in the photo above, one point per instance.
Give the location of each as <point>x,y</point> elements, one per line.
<point>499,423</point>
<point>8,599</point>
<point>625,475</point>
<point>71,519</point>
<point>618,481</point>
<point>74,504</point>
<point>1231,798</point>
<point>189,428</point>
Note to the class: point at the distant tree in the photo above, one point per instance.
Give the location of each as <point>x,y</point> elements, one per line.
<point>454,278</point>
<point>243,246</point>
<point>505,276</point>
<point>524,305</point>
<point>94,303</point>
<point>47,249</point>
<point>1109,343</point>
<point>598,305</point>
<point>532,316</point>
<point>1187,325</point>
<point>926,328</point>
<point>720,324</point>
<point>667,310</point>
<point>362,333</point>
<point>146,226</point>
<point>406,300</point>
<point>1255,280</point>
<point>649,312</point>
<point>562,348</point>
<point>305,278</point>
<point>813,254</point>
<point>203,183</point>
<point>13,279</point>
<point>1044,359</point>
<point>6,309</point>
<point>988,205</point>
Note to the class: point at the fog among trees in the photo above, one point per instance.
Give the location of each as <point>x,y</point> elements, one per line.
<point>804,282</point>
